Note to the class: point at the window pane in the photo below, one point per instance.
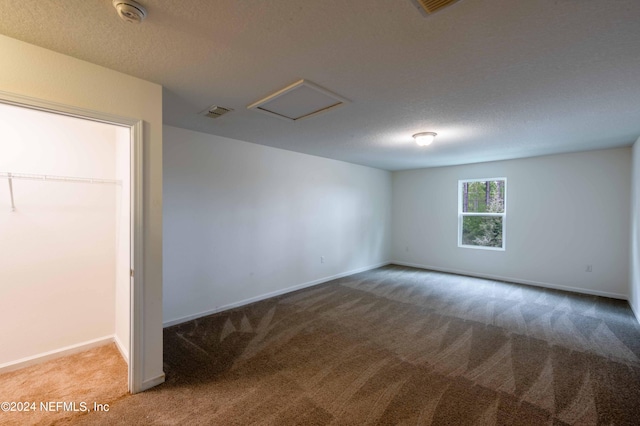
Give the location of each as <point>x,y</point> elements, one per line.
<point>483,197</point>
<point>482,231</point>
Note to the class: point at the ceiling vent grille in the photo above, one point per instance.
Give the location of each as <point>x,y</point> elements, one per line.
<point>215,111</point>
<point>427,7</point>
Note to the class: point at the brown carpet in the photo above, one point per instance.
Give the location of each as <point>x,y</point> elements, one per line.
<point>399,345</point>
<point>97,375</point>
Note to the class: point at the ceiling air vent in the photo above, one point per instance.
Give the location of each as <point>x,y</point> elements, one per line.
<point>427,7</point>
<point>215,111</point>
<point>299,100</point>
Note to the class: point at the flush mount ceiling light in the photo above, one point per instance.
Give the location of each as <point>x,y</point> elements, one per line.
<point>424,138</point>
<point>302,99</point>
<point>130,11</point>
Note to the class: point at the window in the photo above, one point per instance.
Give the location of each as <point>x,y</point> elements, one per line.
<point>482,211</point>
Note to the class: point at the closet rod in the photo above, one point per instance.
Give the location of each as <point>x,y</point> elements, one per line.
<point>29,176</point>
<point>50,178</point>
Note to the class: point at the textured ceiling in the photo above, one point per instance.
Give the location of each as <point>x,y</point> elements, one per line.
<point>496,79</point>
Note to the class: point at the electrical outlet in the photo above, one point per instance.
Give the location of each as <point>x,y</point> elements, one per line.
<point>589,268</point>
<point>321,259</point>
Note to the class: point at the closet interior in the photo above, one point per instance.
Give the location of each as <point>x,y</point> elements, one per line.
<point>65,227</point>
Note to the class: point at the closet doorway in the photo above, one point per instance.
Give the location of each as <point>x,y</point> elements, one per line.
<point>71,227</point>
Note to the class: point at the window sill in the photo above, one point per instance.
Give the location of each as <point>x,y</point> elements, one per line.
<point>482,248</point>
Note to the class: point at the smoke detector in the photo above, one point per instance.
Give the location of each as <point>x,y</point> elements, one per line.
<point>215,111</point>
<point>130,11</point>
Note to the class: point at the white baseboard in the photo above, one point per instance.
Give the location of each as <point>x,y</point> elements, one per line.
<point>269,295</point>
<point>122,348</point>
<point>635,313</point>
<point>155,381</point>
<point>58,353</point>
<point>515,280</point>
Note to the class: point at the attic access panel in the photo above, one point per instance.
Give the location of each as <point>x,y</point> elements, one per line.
<point>302,99</point>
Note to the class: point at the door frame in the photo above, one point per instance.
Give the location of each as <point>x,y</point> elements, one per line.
<point>136,145</point>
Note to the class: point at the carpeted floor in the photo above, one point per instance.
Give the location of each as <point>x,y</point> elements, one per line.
<point>96,375</point>
<point>399,345</point>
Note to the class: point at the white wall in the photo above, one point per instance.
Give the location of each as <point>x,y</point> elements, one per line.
<point>242,221</point>
<point>564,212</point>
<point>634,259</point>
<point>40,73</point>
<point>57,268</point>
<point>123,241</point>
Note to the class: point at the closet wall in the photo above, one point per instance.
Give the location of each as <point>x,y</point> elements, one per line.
<point>58,262</point>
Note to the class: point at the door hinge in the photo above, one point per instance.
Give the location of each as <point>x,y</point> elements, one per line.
<point>131,270</point>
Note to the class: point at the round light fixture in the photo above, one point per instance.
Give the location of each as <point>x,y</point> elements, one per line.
<point>424,138</point>
<point>130,11</point>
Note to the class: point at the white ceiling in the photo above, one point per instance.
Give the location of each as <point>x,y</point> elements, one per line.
<point>496,79</point>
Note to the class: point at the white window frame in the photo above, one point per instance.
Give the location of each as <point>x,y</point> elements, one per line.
<point>462,214</point>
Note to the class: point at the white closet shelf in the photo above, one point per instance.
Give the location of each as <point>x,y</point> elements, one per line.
<point>29,176</point>
<point>51,178</point>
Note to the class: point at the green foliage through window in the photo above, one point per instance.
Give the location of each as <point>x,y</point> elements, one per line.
<point>476,198</point>
<point>482,231</point>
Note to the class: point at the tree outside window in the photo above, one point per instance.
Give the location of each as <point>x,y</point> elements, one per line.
<point>482,213</point>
